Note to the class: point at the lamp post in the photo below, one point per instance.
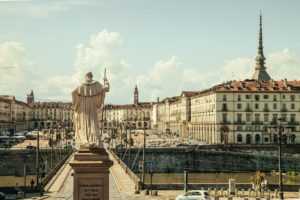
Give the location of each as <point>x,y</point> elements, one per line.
<point>278,140</point>
<point>38,185</point>
<point>144,150</point>
<point>279,165</point>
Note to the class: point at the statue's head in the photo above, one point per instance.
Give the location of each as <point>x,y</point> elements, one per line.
<point>89,77</point>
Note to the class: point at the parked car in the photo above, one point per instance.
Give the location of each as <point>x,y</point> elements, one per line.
<point>31,147</point>
<point>194,194</point>
<point>2,196</point>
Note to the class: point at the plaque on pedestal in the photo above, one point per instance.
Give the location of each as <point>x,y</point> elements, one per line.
<point>91,174</point>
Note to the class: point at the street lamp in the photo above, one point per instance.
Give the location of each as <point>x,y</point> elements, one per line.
<point>279,140</point>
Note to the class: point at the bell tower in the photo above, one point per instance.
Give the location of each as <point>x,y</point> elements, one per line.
<point>136,95</point>
<point>30,97</point>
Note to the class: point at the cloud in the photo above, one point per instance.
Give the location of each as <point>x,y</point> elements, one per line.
<point>166,77</point>
<point>39,8</point>
<point>101,52</point>
<point>16,67</point>
<point>170,77</point>
<point>280,65</point>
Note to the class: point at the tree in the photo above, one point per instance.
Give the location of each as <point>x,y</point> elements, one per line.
<point>258,180</point>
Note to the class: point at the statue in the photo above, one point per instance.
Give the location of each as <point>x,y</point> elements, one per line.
<point>87,99</point>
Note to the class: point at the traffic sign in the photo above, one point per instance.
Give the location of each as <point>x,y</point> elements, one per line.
<point>141,165</point>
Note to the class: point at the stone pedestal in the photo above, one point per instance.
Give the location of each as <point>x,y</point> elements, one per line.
<point>91,174</point>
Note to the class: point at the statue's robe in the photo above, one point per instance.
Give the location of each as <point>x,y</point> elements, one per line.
<point>87,100</point>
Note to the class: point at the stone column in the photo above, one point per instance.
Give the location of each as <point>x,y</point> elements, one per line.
<point>91,174</point>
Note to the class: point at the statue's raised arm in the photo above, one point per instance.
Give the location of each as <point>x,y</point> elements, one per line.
<point>87,99</point>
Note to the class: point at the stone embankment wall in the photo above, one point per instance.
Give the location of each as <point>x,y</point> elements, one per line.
<point>12,161</point>
<point>217,158</point>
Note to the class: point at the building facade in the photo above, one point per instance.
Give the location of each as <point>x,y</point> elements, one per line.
<point>136,115</point>
<point>236,112</point>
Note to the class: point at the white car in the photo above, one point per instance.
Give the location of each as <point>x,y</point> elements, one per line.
<point>193,195</point>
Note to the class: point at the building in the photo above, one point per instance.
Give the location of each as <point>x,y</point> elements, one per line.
<point>236,112</point>
<point>51,114</point>
<point>172,115</point>
<point>19,116</point>
<point>17,112</point>
<point>135,116</point>
<point>5,114</point>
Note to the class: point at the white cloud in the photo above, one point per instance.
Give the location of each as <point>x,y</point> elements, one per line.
<point>167,77</point>
<point>101,52</point>
<point>16,68</point>
<point>170,77</point>
<point>280,65</point>
<point>39,8</point>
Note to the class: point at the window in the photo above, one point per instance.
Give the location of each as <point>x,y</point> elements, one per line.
<point>293,118</point>
<point>266,108</point>
<point>224,97</point>
<point>256,97</point>
<point>266,139</point>
<point>274,98</point>
<point>256,106</point>
<point>274,106</point>
<point>292,97</point>
<point>239,97</point>
<point>239,106</point>
<point>274,119</point>
<point>283,117</point>
<point>248,96</point>
<point>224,117</point>
<point>292,106</point>
<point>248,117</point>
<point>239,128</point>
<point>239,138</point>
<point>257,117</point>
<point>283,96</point>
<point>224,108</point>
<point>248,128</point>
<point>257,128</point>
<point>266,117</point>
<point>266,96</point>
<point>239,117</point>
<point>248,107</point>
<point>248,139</point>
<point>257,138</point>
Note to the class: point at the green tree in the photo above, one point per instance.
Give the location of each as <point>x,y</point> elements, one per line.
<point>258,180</point>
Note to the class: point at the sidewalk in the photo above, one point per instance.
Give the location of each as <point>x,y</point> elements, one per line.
<point>122,180</point>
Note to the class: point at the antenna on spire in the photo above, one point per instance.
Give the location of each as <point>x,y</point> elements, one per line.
<point>105,81</point>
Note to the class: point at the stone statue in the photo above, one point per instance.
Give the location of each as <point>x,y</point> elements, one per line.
<point>87,99</point>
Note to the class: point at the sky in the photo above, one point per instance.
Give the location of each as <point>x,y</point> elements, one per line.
<point>162,46</point>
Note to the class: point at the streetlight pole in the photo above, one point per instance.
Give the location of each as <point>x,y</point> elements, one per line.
<point>144,149</point>
<point>279,159</point>
<point>37,158</point>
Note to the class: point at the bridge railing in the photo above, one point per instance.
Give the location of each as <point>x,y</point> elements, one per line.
<point>50,175</point>
<point>131,174</point>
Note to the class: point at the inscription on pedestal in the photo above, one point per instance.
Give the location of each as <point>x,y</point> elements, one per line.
<point>91,189</point>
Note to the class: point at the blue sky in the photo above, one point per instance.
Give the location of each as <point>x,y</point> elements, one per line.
<point>162,46</point>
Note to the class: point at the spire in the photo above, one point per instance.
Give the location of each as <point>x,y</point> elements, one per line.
<point>260,73</point>
<point>136,95</point>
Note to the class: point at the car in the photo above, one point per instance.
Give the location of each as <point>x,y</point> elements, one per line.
<point>2,196</point>
<point>30,147</point>
<point>194,194</point>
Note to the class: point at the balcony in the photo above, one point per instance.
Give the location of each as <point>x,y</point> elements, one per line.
<point>293,123</point>
<point>266,110</point>
<point>248,110</point>
<point>257,122</point>
<point>225,122</point>
<point>224,109</point>
<point>273,122</point>
<point>239,122</point>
